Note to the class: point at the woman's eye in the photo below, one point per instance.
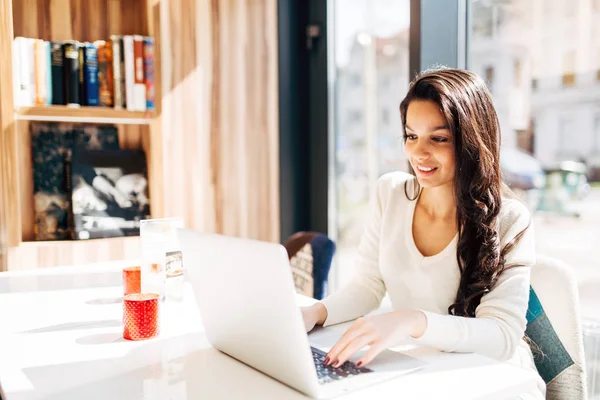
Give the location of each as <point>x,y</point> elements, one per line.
<point>440,139</point>
<point>408,136</point>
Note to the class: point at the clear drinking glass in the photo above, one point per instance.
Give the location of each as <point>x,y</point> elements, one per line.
<point>162,262</point>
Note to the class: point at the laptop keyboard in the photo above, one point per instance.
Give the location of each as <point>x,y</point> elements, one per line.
<point>328,374</point>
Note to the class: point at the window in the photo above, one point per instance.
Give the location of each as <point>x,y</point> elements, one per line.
<point>568,78</point>
<point>489,77</point>
<point>597,134</point>
<point>556,52</point>
<point>518,73</point>
<point>385,116</point>
<point>567,136</point>
<point>598,65</point>
<point>354,116</point>
<point>571,7</point>
<point>369,37</point>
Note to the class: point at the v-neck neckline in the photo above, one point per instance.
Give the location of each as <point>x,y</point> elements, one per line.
<point>410,240</point>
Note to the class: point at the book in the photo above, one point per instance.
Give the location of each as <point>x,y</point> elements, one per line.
<point>105,73</point>
<point>40,58</point>
<point>81,74</point>
<point>48,55</point>
<point>118,74</point>
<point>71,69</point>
<point>129,69</point>
<point>58,73</point>
<point>91,74</point>
<point>50,144</point>
<point>139,86</point>
<point>149,72</point>
<point>110,193</point>
<point>24,76</point>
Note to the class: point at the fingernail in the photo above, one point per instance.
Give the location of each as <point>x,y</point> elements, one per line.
<point>335,364</point>
<point>326,361</point>
<point>358,364</point>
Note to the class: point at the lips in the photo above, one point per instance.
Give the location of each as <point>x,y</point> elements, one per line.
<point>424,171</point>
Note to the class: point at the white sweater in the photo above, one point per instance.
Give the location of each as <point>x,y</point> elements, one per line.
<point>390,261</point>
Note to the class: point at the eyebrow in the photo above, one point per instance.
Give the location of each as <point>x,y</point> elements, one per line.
<point>437,128</point>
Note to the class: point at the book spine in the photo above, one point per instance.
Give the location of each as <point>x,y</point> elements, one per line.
<point>105,73</point>
<point>81,59</point>
<point>48,62</point>
<point>129,72</point>
<point>122,62</point>
<point>149,72</point>
<point>39,59</point>
<point>71,62</point>
<point>58,73</point>
<point>139,84</point>
<point>117,42</point>
<point>29,67</point>
<point>91,74</point>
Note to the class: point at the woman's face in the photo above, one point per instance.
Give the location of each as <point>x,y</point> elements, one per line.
<point>429,144</point>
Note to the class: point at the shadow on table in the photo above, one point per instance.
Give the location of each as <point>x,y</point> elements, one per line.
<point>174,368</point>
<point>64,281</point>
<point>71,326</point>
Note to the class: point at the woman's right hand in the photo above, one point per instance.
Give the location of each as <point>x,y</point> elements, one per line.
<point>314,315</point>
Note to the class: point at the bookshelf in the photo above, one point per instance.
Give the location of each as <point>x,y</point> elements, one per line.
<point>212,144</point>
<point>84,21</point>
<point>84,114</point>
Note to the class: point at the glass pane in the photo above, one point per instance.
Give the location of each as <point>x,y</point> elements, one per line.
<point>545,58</point>
<point>370,58</point>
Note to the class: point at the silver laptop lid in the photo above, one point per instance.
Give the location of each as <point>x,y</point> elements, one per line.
<point>246,297</point>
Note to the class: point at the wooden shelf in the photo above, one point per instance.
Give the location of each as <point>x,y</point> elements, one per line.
<point>66,243</point>
<point>44,254</point>
<point>83,114</point>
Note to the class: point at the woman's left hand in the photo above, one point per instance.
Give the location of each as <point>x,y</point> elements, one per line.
<point>380,332</point>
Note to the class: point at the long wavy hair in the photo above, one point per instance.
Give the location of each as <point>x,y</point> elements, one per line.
<point>466,104</point>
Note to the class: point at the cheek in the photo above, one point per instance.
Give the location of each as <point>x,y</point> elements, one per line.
<point>448,158</point>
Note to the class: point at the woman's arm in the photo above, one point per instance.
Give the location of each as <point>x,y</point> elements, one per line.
<point>365,292</point>
<point>501,316</point>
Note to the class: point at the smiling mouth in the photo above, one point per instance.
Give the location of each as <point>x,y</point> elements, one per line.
<point>426,169</point>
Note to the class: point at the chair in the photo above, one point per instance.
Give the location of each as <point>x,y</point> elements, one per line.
<point>554,325</point>
<point>310,255</point>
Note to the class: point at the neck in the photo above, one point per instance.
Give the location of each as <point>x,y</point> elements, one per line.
<point>438,202</point>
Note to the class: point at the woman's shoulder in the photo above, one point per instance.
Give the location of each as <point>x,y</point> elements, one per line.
<point>394,180</point>
<point>513,213</point>
<point>392,188</point>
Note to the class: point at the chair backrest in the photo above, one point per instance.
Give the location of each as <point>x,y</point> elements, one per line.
<point>554,325</point>
<point>310,255</point>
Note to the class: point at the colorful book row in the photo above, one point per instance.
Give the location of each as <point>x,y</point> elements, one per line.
<point>115,73</point>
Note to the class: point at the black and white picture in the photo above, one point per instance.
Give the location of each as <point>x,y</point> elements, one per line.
<point>51,143</point>
<point>109,193</point>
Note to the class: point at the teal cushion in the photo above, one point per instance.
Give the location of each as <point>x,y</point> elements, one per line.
<point>550,356</point>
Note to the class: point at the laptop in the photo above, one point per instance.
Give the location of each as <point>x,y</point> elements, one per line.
<point>247,301</point>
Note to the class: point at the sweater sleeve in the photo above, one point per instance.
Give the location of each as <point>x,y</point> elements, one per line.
<point>500,319</point>
<point>366,290</point>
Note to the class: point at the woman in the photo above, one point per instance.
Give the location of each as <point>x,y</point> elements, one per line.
<point>451,246</point>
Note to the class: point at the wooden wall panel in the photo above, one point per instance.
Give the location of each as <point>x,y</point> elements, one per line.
<point>9,187</point>
<point>70,19</point>
<point>219,118</point>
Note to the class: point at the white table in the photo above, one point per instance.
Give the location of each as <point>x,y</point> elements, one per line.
<point>61,338</point>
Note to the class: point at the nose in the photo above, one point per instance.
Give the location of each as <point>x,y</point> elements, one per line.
<point>420,150</point>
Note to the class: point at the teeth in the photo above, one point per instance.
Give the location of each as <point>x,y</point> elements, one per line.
<point>425,169</point>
